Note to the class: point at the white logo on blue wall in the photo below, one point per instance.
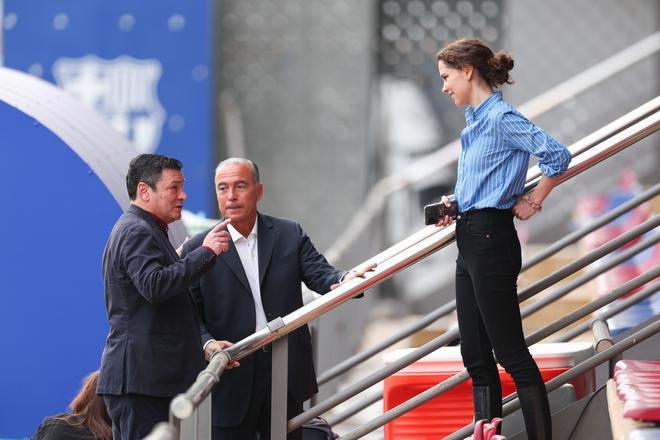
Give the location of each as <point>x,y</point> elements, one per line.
<point>123,89</point>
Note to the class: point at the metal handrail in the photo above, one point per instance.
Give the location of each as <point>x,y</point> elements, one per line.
<point>589,364</point>
<point>282,326</point>
<point>535,337</point>
<point>602,337</point>
<point>595,224</point>
<point>450,306</point>
<point>576,149</point>
<point>547,299</point>
<point>452,333</point>
<point>579,147</point>
<point>590,275</point>
<point>614,310</point>
<point>432,163</point>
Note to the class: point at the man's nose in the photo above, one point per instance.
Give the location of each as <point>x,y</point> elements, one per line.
<point>183,195</point>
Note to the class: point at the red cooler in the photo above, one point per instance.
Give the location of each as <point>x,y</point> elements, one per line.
<point>453,409</point>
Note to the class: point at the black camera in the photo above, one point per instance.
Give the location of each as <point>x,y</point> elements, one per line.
<point>436,211</point>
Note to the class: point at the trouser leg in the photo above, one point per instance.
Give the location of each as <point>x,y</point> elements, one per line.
<point>134,416</point>
<point>476,350</point>
<point>490,253</point>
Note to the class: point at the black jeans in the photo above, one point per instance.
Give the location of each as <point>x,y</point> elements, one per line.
<point>489,320</point>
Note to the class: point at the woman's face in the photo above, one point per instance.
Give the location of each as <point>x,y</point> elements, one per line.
<point>456,83</point>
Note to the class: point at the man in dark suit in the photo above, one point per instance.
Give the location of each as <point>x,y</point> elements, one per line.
<point>152,351</point>
<point>254,282</point>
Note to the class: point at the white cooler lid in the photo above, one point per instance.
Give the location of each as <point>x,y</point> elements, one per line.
<point>546,355</point>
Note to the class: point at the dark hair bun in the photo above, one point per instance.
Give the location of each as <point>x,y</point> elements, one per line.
<point>500,65</point>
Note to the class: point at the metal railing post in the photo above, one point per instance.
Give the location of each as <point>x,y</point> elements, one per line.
<point>204,419</point>
<point>279,387</point>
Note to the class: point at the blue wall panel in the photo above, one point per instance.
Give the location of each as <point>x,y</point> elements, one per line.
<point>55,218</point>
<point>146,65</point>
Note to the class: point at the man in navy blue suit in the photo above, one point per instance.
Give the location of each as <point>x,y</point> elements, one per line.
<point>152,351</point>
<point>257,280</point>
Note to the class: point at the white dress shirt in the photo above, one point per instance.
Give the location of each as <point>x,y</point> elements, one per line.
<point>248,252</point>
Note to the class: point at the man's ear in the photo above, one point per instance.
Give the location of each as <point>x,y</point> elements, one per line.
<point>143,191</point>
<point>260,191</point>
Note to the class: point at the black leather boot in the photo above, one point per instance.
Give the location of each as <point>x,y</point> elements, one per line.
<point>487,402</point>
<point>536,411</point>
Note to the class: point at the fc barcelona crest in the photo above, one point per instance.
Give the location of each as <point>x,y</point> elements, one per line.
<point>123,89</point>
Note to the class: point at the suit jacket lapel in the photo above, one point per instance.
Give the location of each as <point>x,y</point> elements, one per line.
<point>267,237</point>
<point>232,260</point>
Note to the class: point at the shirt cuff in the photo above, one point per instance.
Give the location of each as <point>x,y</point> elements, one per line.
<point>207,343</point>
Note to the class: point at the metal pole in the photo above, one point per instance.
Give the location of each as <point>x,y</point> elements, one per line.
<point>182,406</point>
<point>356,408</point>
<point>602,338</point>
<point>585,310</point>
<point>592,256</point>
<point>583,279</point>
<point>600,221</point>
<point>163,431</point>
<point>447,308</point>
<point>617,308</point>
<point>452,334</point>
<point>349,363</point>
<point>574,372</point>
<point>279,389</point>
<point>448,154</point>
<point>202,387</point>
<point>462,376</point>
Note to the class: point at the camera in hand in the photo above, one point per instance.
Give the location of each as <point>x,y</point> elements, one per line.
<point>434,212</point>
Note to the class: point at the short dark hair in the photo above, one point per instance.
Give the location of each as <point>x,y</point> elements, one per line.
<point>148,168</point>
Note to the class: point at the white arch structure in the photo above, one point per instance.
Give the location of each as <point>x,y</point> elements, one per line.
<point>82,129</point>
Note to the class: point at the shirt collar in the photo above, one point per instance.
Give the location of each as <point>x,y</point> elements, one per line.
<point>235,235</point>
<point>471,114</point>
<point>161,223</point>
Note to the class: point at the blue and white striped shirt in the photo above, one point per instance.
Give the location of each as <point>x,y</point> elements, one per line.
<point>495,149</point>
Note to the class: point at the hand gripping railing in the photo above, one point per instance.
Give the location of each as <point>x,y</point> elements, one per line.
<point>183,405</point>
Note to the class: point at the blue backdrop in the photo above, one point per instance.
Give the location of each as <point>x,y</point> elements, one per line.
<point>145,66</point>
<point>56,218</point>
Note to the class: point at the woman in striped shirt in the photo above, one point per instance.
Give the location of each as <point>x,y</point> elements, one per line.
<point>495,148</point>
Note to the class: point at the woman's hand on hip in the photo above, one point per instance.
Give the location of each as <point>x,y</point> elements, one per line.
<point>522,210</point>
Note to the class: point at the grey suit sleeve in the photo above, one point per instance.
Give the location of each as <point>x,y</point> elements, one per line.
<point>155,279</point>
